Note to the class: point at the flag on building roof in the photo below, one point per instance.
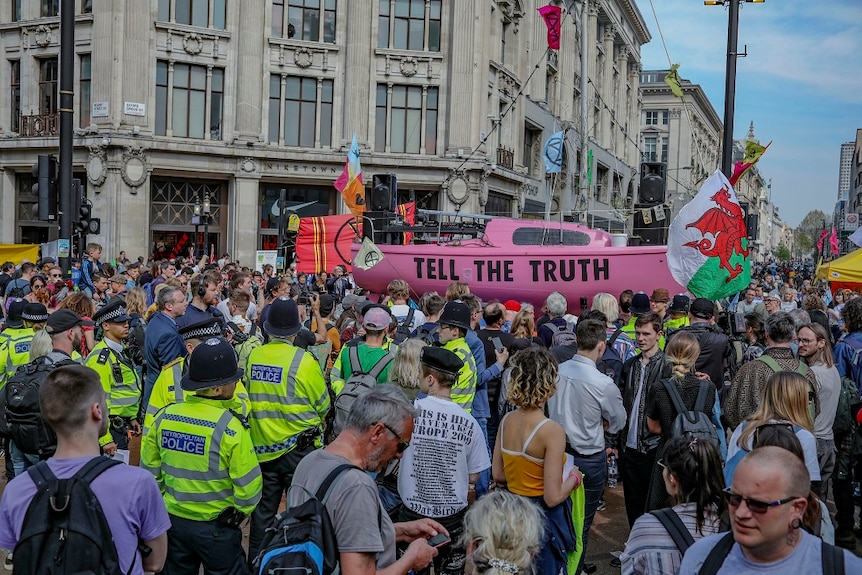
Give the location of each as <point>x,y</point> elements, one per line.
<point>552,15</point>
<point>833,241</point>
<point>753,152</point>
<point>324,242</point>
<point>349,183</point>
<point>707,248</point>
<point>672,79</point>
<point>553,153</point>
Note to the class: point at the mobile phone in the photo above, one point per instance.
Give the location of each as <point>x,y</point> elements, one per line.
<point>498,345</point>
<point>439,540</point>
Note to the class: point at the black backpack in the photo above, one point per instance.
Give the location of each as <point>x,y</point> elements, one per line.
<point>694,423</point>
<point>675,528</point>
<point>610,363</point>
<point>135,340</point>
<point>65,530</point>
<point>427,334</point>
<point>302,538</point>
<point>831,557</point>
<point>403,331</point>
<point>24,423</point>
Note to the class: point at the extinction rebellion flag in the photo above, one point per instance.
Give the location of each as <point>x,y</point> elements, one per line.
<point>707,248</point>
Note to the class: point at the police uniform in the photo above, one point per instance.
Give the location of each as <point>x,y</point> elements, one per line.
<point>201,454</point>
<point>15,342</point>
<point>289,401</point>
<point>464,390</point>
<point>679,304</point>
<point>167,389</point>
<point>118,376</point>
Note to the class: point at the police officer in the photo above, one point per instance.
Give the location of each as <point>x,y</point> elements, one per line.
<point>118,375</point>
<point>289,401</point>
<point>454,323</point>
<point>35,315</point>
<point>14,341</point>
<point>201,453</point>
<point>677,313</point>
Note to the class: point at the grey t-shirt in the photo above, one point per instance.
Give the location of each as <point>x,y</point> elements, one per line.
<point>360,522</point>
<point>804,559</point>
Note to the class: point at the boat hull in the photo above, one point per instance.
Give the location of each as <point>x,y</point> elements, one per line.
<point>525,274</point>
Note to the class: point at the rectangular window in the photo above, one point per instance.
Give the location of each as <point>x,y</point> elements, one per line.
<point>532,149</point>
<point>651,118</point>
<point>401,111</point>
<point>665,146</point>
<point>650,151</point>
<point>194,12</point>
<point>48,78</point>
<point>190,91</point>
<point>84,85</point>
<point>50,8</point>
<point>307,111</point>
<point>410,26</point>
<point>498,205</point>
<point>16,10</point>
<point>161,98</point>
<point>86,6</point>
<point>15,94</point>
<point>216,102</point>
<point>309,20</point>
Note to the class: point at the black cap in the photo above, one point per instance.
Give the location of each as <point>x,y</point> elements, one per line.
<point>283,318</point>
<point>14,315</point>
<point>114,311</point>
<point>35,312</point>
<point>702,308</point>
<point>441,359</point>
<point>640,303</point>
<point>679,304</point>
<point>204,329</point>
<point>327,303</point>
<point>455,313</point>
<point>211,364</point>
<point>64,320</point>
<point>271,284</point>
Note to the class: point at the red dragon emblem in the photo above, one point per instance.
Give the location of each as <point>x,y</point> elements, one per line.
<point>726,225</point>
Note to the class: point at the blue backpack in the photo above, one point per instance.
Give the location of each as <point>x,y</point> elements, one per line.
<point>302,539</point>
<point>148,289</point>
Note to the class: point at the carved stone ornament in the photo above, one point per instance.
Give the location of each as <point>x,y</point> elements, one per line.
<point>483,187</point>
<point>193,44</point>
<point>409,66</point>
<point>42,35</point>
<point>248,165</point>
<point>97,166</point>
<point>134,170</point>
<point>303,57</point>
<point>456,187</point>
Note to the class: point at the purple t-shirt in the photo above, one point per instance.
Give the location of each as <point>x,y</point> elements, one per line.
<point>128,495</point>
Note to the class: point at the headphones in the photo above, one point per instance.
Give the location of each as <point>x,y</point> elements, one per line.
<point>201,289</point>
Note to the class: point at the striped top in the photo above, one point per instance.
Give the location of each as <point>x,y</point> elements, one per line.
<point>650,549</point>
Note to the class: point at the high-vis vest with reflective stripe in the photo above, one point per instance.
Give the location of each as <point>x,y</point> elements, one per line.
<point>203,459</point>
<point>124,396</point>
<point>288,395</point>
<point>15,349</point>
<point>464,389</point>
<point>167,391</point>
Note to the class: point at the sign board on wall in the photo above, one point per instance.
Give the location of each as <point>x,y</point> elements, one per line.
<point>263,257</point>
<point>135,109</point>
<point>851,221</point>
<point>100,110</point>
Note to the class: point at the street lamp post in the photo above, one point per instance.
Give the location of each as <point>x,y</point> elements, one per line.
<point>206,214</point>
<point>196,220</point>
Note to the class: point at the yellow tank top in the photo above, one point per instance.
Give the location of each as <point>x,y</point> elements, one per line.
<point>525,474</point>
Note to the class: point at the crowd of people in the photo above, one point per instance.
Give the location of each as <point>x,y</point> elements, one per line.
<point>487,425</point>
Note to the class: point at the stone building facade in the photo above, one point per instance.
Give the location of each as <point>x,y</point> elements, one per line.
<point>178,100</point>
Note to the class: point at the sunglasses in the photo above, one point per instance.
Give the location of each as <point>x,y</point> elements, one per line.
<point>755,506</point>
<point>402,443</point>
<point>56,276</point>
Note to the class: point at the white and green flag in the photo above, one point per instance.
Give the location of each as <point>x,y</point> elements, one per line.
<point>707,247</point>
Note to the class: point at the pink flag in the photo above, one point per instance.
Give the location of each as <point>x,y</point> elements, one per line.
<point>833,241</point>
<point>823,235</point>
<point>552,15</point>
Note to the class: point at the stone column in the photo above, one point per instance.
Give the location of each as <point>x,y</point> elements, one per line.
<point>8,206</point>
<point>464,76</point>
<point>359,59</point>
<point>246,194</point>
<point>621,103</point>
<point>134,61</point>
<point>124,211</point>
<point>251,51</point>
<point>608,84</point>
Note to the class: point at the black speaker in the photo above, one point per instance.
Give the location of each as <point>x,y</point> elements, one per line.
<point>653,233</point>
<point>653,183</point>
<point>384,193</point>
<point>752,224</point>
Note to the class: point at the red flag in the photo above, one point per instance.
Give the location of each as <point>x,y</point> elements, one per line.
<point>823,235</point>
<point>552,15</point>
<point>316,243</point>
<point>753,152</point>
<point>833,241</point>
<point>408,212</point>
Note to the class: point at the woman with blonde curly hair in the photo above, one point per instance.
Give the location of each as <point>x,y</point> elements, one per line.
<point>502,534</point>
<point>681,352</point>
<point>406,371</point>
<point>529,454</point>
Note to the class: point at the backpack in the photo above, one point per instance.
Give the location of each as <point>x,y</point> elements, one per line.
<point>357,384</point>
<point>135,340</point>
<point>65,529</point>
<point>675,528</point>
<point>564,335</point>
<point>610,363</point>
<point>148,290</point>
<point>302,538</point>
<point>855,365</point>
<point>831,557</point>
<point>694,423</point>
<point>801,369</point>
<point>17,292</point>
<point>427,334</point>
<point>403,331</point>
<point>848,404</point>
<point>24,423</point>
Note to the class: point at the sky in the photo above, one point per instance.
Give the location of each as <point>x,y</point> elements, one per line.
<point>801,83</point>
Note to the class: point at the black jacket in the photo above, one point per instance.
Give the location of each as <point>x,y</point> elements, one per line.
<point>714,355</point>
<point>657,369</point>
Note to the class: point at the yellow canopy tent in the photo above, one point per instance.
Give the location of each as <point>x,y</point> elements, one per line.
<point>18,252</point>
<point>844,272</point>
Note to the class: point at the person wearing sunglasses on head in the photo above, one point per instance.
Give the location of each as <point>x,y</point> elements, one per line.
<point>767,502</point>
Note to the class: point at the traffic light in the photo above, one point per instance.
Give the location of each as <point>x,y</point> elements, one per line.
<point>384,193</point>
<point>45,188</point>
<point>87,224</point>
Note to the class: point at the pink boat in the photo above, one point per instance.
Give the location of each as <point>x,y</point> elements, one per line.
<point>524,260</point>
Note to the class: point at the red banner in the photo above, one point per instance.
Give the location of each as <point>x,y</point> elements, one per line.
<point>552,15</point>
<point>408,212</point>
<point>316,243</point>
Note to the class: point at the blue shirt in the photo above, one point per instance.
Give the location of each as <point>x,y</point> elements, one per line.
<point>163,344</point>
<point>481,408</point>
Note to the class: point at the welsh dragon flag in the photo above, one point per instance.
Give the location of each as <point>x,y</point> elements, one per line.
<point>707,248</point>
